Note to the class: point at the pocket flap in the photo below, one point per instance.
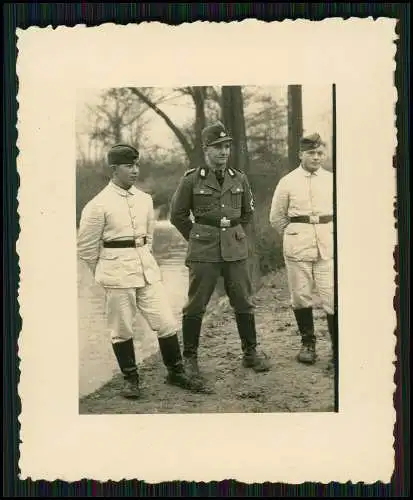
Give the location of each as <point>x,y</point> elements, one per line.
<point>202,233</point>
<point>105,256</point>
<point>240,233</point>
<point>202,191</point>
<point>118,253</point>
<point>291,231</point>
<point>237,189</point>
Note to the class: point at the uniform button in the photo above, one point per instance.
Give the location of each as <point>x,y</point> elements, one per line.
<point>197,235</point>
<point>202,191</point>
<point>222,205</point>
<point>223,229</point>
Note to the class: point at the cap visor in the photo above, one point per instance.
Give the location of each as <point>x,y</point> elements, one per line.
<point>222,139</point>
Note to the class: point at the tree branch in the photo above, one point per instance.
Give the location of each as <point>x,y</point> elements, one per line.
<point>104,111</point>
<point>180,136</point>
<point>134,118</point>
<point>186,91</point>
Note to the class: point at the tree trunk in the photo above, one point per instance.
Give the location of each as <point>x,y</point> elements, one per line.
<point>117,130</point>
<point>116,122</point>
<point>198,95</point>
<point>295,124</point>
<point>234,120</point>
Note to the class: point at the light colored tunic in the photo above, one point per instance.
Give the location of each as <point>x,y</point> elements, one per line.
<point>131,276</point>
<point>308,248</point>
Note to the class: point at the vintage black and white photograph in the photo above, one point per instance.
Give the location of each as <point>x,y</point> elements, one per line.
<point>205,219</point>
<point>207,251</point>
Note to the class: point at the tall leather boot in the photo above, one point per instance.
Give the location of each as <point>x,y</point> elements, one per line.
<point>125,355</point>
<point>248,336</point>
<point>191,332</point>
<point>172,358</point>
<point>333,336</point>
<point>305,322</point>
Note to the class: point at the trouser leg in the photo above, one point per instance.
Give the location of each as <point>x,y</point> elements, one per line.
<point>331,322</point>
<point>203,277</point>
<point>121,310</point>
<point>324,280</point>
<point>238,287</point>
<point>300,282</point>
<point>155,308</point>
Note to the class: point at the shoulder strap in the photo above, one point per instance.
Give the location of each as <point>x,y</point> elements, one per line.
<point>190,171</point>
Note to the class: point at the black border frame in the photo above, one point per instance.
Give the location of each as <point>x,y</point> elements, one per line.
<point>91,14</point>
<point>336,325</point>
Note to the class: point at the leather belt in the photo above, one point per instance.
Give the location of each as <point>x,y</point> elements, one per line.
<point>312,219</point>
<point>139,242</point>
<point>224,222</point>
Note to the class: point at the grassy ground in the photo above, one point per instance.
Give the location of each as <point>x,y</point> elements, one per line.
<point>288,387</point>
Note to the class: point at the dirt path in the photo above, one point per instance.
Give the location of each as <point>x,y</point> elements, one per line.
<point>288,387</point>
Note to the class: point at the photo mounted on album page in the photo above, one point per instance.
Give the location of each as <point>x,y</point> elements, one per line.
<point>217,200</point>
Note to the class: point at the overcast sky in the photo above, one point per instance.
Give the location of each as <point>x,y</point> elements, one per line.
<point>317,108</point>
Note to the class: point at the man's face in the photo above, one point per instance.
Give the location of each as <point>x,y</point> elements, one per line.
<point>126,174</point>
<point>313,159</point>
<point>218,154</point>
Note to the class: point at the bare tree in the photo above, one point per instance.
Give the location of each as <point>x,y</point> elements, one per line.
<point>206,101</point>
<point>267,131</point>
<point>183,140</point>
<point>117,117</point>
<point>80,153</point>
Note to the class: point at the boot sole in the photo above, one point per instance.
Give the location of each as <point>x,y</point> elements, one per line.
<point>257,370</point>
<point>191,388</point>
<point>306,362</point>
<point>261,370</point>
<point>187,385</point>
<point>131,396</point>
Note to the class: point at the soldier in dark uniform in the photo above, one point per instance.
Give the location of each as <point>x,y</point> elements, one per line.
<point>221,203</point>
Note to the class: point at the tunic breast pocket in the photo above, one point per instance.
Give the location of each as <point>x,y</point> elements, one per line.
<point>236,197</point>
<point>203,199</point>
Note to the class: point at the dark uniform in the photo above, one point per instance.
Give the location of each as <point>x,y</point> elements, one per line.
<point>217,246</point>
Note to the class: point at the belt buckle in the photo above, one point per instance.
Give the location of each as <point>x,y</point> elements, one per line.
<point>139,242</point>
<point>314,219</point>
<point>224,222</point>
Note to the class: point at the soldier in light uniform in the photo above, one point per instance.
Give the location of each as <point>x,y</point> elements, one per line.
<point>221,202</point>
<point>302,213</point>
<point>115,240</point>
